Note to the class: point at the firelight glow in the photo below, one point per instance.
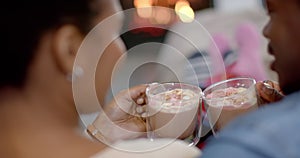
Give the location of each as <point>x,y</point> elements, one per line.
<point>186,14</point>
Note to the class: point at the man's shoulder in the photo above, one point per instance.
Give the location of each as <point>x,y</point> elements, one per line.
<point>270,131</point>
<point>271,118</point>
<point>281,114</point>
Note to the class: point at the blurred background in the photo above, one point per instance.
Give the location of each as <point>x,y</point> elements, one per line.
<point>165,17</point>
<point>156,17</point>
<point>219,18</point>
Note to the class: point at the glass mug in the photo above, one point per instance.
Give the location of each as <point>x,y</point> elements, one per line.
<point>229,99</point>
<point>173,111</point>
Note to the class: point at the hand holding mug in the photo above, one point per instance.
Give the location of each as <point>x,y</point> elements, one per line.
<point>121,118</point>
<point>268,92</point>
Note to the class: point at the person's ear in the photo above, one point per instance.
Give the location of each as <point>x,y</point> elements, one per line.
<point>66,42</point>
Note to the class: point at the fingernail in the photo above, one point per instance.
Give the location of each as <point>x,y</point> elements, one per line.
<point>267,90</point>
<point>267,85</point>
<point>144,115</point>
<point>140,101</point>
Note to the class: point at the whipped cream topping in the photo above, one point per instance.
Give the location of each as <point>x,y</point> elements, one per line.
<point>174,100</point>
<point>231,97</point>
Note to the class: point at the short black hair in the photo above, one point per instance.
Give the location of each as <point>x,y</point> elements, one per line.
<point>23,23</point>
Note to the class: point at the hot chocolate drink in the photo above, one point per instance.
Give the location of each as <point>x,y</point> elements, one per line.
<point>226,104</point>
<point>173,113</point>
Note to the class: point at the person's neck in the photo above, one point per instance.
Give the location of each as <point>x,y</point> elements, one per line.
<point>42,107</point>
<point>27,122</point>
<point>57,101</point>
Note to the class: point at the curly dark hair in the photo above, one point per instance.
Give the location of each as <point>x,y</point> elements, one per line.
<point>23,23</point>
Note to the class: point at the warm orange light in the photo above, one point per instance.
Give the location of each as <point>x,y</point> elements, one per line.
<point>172,2</point>
<point>180,4</point>
<point>186,14</point>
<point>162,15</point>
<point>142,3</point>
<point>145,12</point>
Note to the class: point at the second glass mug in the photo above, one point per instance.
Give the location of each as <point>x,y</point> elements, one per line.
<point>174,111</point>
<point>228,99</point>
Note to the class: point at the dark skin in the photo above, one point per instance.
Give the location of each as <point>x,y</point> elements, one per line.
<point>269,91</point>
<point>124,112</point>
<point>281,30</point>
<point>283,34</point>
